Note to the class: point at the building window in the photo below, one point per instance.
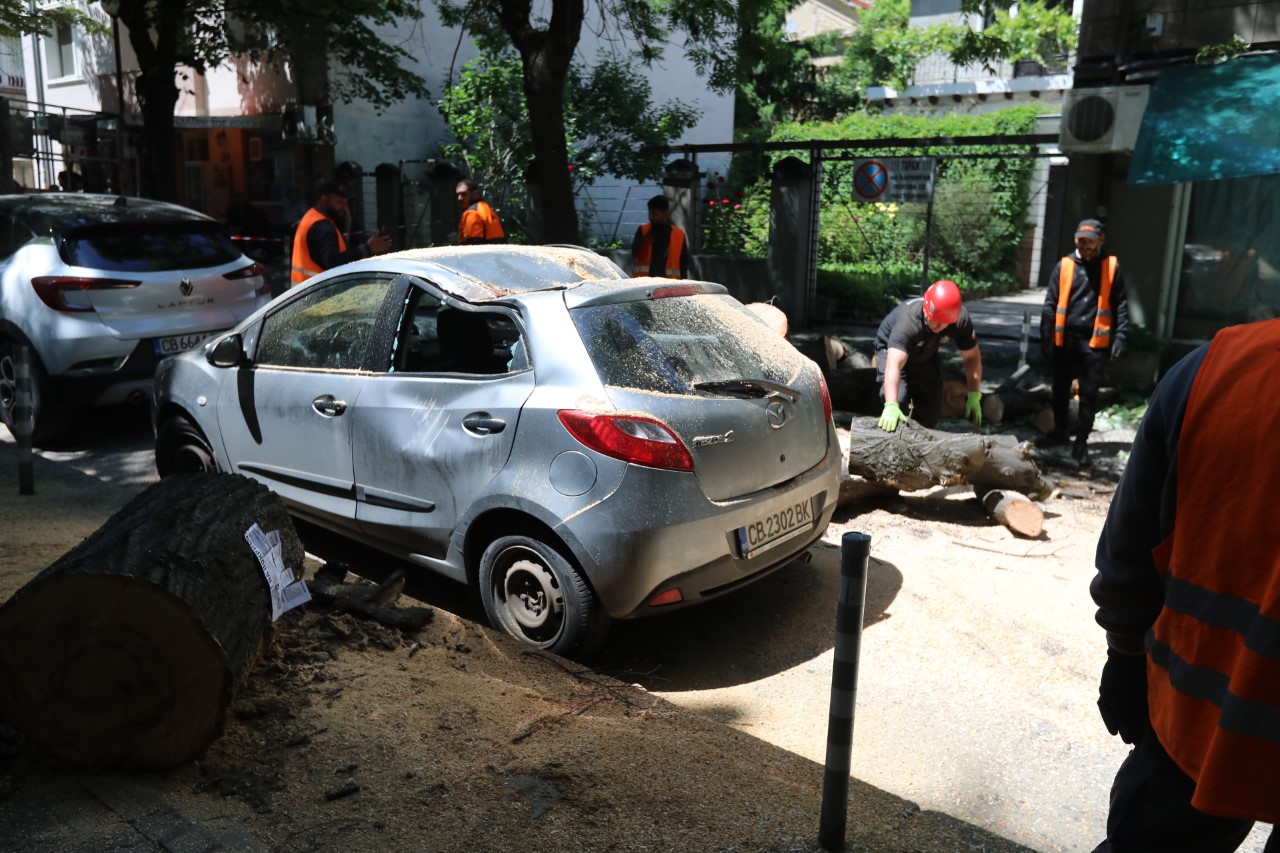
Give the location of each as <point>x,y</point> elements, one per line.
<point>60,53</point>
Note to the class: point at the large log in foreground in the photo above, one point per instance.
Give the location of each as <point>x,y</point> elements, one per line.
<point>128,650</point>
<point>913,457</point>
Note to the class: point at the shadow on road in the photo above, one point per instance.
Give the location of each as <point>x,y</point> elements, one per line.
<point>769,627</point>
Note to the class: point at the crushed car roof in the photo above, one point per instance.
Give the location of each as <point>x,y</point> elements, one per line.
<point>485,273</point>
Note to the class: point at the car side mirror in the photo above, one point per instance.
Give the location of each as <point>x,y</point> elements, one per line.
<point>228,352</point>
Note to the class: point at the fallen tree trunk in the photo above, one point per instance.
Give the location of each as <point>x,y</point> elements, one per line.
<point>1012,509</point>
<point>913,457</point>
<point>128,650</point>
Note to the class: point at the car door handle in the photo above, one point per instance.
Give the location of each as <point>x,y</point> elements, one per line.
<point>326,405</point>
<point>482,425</point>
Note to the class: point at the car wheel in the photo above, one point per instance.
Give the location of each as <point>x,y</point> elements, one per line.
<point>182,449</point>
<point>532,592</point>
<point>49,423</point>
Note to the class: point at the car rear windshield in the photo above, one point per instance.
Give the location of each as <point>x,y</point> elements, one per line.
<point>148,247</point>
<point>670,345</point>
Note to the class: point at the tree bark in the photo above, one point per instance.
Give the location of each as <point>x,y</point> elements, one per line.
<point>155,43</point>
<point>546,55</point>
<point>128,650</point>
<point>913,457</point>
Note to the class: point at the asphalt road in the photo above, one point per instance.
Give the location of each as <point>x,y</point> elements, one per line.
<point>978,664</point>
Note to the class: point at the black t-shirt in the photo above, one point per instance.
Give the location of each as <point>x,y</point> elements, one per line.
<point>906,329</point>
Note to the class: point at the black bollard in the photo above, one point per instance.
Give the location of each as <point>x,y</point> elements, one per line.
<point>23,419</point>
<point>855,551</point>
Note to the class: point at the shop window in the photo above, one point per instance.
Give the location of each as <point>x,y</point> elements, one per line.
<point>1230,257</point>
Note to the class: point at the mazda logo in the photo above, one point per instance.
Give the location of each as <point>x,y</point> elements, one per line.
<point>186,287</point>
<point>777,414</point>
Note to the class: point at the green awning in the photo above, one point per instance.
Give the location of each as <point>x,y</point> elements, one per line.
<point>1206,123</point>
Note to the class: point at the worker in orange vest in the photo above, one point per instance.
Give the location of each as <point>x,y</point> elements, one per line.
<point>318,243</point>
<point>1082,326</point>
<point>660,248</point>
<point>479,223</point>
<point>1188,590</point>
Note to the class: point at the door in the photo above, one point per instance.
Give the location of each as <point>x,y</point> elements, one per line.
<point>286,419</point>
<point>433,432</point>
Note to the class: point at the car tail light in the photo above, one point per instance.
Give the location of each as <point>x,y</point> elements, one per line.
<point>826,397</point>
<point>67,293</point>
<point>631,438</point>
<point>670,596</point>
<point>247,272</point>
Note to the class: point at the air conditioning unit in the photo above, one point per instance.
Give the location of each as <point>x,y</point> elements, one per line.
<point>1102,120</point>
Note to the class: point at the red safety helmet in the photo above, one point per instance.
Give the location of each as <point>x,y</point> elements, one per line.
<point>942,302</point>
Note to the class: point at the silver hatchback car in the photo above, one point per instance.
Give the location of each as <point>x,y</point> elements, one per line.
<point>577,445</point>
<point>100,288</point>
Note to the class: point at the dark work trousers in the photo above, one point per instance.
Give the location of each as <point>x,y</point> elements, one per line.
<point>1077,360</point>
<point>919,384</point>
<point>1151,810</point>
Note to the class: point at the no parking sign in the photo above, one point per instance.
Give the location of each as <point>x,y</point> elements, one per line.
<point>895,179</point>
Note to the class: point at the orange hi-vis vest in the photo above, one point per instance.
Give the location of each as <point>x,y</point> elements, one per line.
<point>1213,675</point>
<point>1102,322</point>
<point>305,266</point>
<point>480,224</point>
<point>674,250</point>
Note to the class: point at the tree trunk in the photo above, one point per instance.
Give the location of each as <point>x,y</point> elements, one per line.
<point>155,44</point>
<point>913,457</point>
<point>546,55</point>
<point>128,650</point>
<point>1015,511</point>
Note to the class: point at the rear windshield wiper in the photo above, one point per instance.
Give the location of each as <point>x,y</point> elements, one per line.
<point>753,388</point>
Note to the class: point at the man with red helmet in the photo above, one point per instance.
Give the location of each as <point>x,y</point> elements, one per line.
<point>907,367</point>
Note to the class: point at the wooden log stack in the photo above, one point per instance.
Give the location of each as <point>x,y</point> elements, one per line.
<point>127,652</point>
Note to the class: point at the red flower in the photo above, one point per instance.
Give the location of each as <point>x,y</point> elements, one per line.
<point>738,193</point>
<point>711,185</point>
<point>724,201</point>
<point>711,201</point>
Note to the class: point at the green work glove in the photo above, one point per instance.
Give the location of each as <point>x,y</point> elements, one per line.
<point>973,407</point>
<point>891,417</point>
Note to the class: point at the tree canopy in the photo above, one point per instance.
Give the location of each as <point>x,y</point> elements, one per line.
<point>19,18</point>
<point>612,125</point>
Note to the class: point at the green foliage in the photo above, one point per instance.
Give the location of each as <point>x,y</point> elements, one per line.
<point>19,18</point>
<point>725,219</point>
<point>1216,54</point>
<point>611,124</point>
<point>980,204</point>
<point>485,111</point>
<point>1036,32</point>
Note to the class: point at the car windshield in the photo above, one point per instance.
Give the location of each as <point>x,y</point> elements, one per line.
<point>700,344</point>
<point>148,247</point>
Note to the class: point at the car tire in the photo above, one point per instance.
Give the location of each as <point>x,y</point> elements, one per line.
<point>530,591</point>
<point>182,449</point>
<point>49,423</point>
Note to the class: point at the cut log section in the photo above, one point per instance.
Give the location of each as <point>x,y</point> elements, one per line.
<point>1015,511</point>
<point>913,458</point>
<point>128,650</point>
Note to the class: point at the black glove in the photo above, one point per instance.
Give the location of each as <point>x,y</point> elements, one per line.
<point>1117,348</point>
<point>1122,695</point>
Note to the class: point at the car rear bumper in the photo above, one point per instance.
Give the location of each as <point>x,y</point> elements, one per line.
<point>104,381</point>
<point>683,541</point>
